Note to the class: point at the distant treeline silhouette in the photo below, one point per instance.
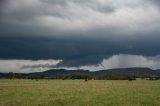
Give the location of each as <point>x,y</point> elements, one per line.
<point>111,74</point>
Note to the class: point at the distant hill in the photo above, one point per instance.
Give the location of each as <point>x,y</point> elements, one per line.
<point>130,71</point>
<point>119,73</point>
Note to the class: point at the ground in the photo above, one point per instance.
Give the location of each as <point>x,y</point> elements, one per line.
<point>79,93</point>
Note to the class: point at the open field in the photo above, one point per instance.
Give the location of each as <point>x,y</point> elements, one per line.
<point>79,93</point>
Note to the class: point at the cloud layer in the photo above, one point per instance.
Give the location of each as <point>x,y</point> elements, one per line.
<point>81,33</point>
<point>74,52</point>
<point>70,17</point>
<point>115,61</point>
<point>26,66</point>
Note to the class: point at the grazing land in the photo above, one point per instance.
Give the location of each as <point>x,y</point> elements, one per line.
<point>79,93</point>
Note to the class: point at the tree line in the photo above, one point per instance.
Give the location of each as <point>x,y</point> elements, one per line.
<point>114,76</point>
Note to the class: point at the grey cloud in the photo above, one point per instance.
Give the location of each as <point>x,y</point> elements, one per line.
<point>125,61</point>
<point>38,66</point>
<point>55,2</point>
<point>114,61</point>
<point>105,9</point>
<point>66,2</point>
<point>64,17</point>
<point>155,58</point>
<point>79,32</point>
<point>73,51</point>
<point>25,66</point>
<point>2,6</point>
<point>90,60</point>
<point>88,4</point>
<point>157,2</point>
<point>2,3</point>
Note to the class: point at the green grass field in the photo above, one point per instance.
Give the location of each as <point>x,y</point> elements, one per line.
<point>79,93</point>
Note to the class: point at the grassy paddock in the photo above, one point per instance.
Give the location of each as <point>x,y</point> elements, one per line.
<point>79,93</point>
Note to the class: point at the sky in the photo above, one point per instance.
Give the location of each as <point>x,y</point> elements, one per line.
<point>37,35</point>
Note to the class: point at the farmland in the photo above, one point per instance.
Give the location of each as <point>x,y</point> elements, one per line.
<point>22,92</point>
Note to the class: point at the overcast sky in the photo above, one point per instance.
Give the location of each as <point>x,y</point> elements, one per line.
<point>36,35</point>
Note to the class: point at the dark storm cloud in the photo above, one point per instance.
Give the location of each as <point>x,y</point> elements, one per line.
<point>78,32</point>
<point>74,52</point>
<point>69,50</point>
<point>2,4</point>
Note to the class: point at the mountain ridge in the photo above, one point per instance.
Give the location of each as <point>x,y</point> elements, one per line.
<point>120,73</point>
